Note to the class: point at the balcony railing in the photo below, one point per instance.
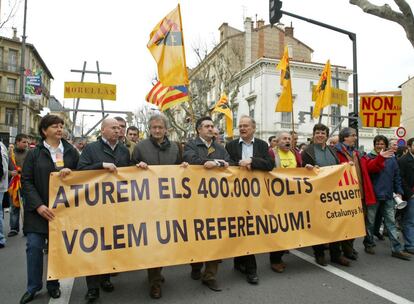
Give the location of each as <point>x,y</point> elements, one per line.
<point>5,96</point>
<point>9,67</point>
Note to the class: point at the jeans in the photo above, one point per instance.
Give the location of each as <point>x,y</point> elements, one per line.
<point>2,238</point>
<point>34,255</point>
<point>408,224</point>
<point>388,212</point>
<point>14,218</point>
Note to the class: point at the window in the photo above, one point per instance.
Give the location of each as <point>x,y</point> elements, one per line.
<point>251,82</point>
<point>311,84</point>
<point>252,104</point>
<point>13,60</point>
<point>1,55</point>
<point>286,117</point>
<point>11,85</point>
<point>235,110</point>
<point>336,112</point>
<point>9,116</point>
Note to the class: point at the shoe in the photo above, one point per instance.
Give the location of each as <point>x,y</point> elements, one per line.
<point>12,233</point>
<point>252,278</point>
<point>351,256</point>
<point>401,255</point>
<point>27,297</point>
<point>155,291</point>
<point>369,250</point>
<point>1,246</point>
<point>410,250</point>
<point>341,261</point>
<point>92,295</point>
<point>241,268</point>
<point>212,284</point>
<point>107,286</point>
<point>196,274</point>
<point>54,293</point>
<point>278,267</point>
<point>321,260</point>
<point>380,236</point>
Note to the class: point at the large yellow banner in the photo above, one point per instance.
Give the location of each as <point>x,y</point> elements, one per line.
<point>90,90</point>
<point>168,215</point>
<point>338,96</point>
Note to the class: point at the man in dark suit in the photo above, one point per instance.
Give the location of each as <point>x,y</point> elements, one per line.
<point>203,150</point>
<point>251,153</point>
<point>105,153</point>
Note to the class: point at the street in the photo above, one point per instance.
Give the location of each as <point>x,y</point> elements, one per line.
<point>372,279</point>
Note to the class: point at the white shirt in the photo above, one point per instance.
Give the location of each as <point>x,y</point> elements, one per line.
<point>107,142</point>
<point>247,149</point>
<point>205,142</point>
<point>57,154</point>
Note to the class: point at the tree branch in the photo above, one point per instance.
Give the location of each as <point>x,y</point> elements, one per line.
<point>404,18</point>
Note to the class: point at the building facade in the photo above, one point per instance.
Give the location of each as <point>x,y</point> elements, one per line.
<point>10,67</point>
<point>243,65</point>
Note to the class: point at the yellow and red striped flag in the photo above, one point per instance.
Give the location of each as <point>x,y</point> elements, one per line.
<point>166,45</point>
<point>165,97</point>
<point>15,183</point>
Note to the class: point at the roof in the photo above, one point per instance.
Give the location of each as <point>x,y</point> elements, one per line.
<point>35,52</point>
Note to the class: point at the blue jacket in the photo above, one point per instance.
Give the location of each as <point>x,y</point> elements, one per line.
<point>388,180</point>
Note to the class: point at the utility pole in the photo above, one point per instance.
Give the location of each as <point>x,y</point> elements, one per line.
<point>22,70</point>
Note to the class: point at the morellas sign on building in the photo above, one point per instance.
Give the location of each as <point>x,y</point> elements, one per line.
<point>380,111</point>
<point>90,90</point>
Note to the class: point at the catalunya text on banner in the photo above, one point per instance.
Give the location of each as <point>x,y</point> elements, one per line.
<point>168,215</point>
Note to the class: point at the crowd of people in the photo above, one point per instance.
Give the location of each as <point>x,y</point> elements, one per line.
<point>384,174</point>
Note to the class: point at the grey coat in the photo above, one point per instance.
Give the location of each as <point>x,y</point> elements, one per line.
<point>152,153</point>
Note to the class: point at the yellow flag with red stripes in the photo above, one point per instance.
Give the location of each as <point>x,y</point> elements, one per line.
<point>166,45</point>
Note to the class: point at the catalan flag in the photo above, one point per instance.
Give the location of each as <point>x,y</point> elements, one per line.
<point>15,183</point>
<point>285,102</point>
<point>323,90</point>
<point>166,45</point>
<point>222,106</point>
<point>165,97</point>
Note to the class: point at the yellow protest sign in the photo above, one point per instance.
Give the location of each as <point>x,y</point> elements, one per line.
<point>380,111</point>
<point>338,96</point>
<point>168,215</point>
<point>90,90</point>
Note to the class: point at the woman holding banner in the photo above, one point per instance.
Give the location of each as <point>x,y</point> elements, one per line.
<point>53,154</point>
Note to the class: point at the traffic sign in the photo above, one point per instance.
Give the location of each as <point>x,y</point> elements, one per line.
<point>401,131</point>
<point>401,142</point>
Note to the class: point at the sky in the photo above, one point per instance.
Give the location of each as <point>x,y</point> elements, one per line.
<point>115,33</point>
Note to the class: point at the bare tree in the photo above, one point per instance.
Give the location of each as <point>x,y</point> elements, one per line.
<point>213,75</point>
<point>404,17</point>
<point>11,11</point>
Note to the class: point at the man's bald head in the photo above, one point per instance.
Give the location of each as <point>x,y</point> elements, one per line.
<point>108,121</point>
<point>110,130</point>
